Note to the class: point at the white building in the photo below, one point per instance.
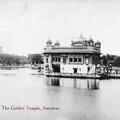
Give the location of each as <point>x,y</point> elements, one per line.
<point>80,57</point>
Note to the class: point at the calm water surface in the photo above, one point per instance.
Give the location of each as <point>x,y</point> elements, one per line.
<point>24,87</point>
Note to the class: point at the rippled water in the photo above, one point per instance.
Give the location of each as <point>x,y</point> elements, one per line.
<point>24,87</point>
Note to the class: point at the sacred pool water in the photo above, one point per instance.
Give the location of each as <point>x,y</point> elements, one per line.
<point>26,95</point>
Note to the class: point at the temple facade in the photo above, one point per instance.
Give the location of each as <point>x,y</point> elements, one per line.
<point>81,57</point>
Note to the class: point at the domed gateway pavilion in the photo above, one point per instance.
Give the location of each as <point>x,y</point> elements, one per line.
<point>80,57</point>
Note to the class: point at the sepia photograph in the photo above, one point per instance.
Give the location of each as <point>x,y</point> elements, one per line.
<point>59,60</point>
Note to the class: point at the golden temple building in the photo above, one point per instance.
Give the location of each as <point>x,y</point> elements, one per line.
<point>80,57</point>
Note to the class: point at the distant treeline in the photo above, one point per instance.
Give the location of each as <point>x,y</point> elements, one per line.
<point>7,59</point>
<point>110,59</point>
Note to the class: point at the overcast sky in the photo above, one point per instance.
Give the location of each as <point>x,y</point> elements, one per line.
<point>25,25</point>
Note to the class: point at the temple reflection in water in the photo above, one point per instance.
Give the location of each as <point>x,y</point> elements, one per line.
<point>75,83</point>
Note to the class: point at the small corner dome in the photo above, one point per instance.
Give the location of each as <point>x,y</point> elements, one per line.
<point>98,43</point>
<point>90,41</point>
<point>49,41</point>
<point>90,38</point>
<point>57,43</point>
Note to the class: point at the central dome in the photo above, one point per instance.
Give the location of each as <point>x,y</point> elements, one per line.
<point>81,38</point>
<point>80,41</point>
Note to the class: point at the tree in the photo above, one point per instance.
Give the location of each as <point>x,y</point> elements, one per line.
<point>35,59</point>
<point>7,59</point>
<point>110,59</point>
